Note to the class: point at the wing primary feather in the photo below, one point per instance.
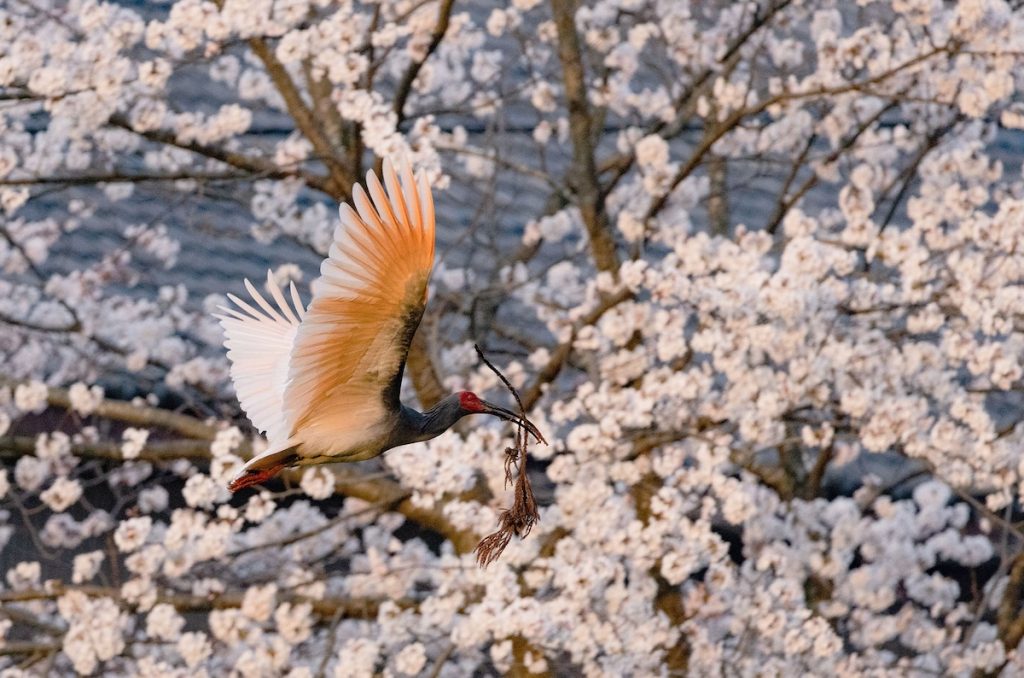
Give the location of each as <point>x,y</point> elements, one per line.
<point>358,251</point>
<point>365,208</point>
<point>232,314</point>
<point>411,192</point>
<point>351,277</point>
<point>395,197</point>
<point>427,209</point>
<point>359,234</point>
<point>300,309</point>
<point>259,344</point>
<point>256,315</point>
<point>279,299</point>
<point>381,202</point>
<point>258,298</point>
<point>372,223</point>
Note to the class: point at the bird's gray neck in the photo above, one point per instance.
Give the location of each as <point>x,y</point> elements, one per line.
<point>417,426</point>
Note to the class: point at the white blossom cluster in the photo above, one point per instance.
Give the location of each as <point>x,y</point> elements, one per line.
<point>757,269</point>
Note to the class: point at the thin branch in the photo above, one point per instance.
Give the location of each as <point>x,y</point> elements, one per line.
<point>35,327</point>
<point>560,354</point>
<point>332,637</point>
<point>89,179</point>
<point>20,616</point>
<point>505,163</point>
<point>441,659</point>
<point>240,161</point>
<point>785,203</point>
<point>28,647</point>
<point>622,163</point>
<point>720,130</point>
<point>296,538</point>
<point>910,171</point>
<point>405,84</point>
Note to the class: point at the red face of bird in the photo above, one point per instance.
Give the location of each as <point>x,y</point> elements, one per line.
<point>472,404</point>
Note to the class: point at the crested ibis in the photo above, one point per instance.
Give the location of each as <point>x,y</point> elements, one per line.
<point>323,382</point>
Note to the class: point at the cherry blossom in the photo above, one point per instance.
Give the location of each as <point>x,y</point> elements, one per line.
<point>754,268</point>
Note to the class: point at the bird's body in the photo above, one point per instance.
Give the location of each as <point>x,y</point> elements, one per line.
<point>323,382</point>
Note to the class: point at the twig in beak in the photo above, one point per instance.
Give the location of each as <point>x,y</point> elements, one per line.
<point>520,518</point>
<point>508,415</point>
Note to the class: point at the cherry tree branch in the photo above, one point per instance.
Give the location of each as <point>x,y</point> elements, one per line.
<point>13,447</point>
<point>237,160</point>
<point>560,355</point>
<point>583,177</point>
<point>136,415</point>
<point>117,177</point>
<point>715,133</point>
<point>623,162</point>
<point>404,87</point>
<point>349,480</point>
<point>353,608</point>
<point>339,183</point>
<point>786,201</point>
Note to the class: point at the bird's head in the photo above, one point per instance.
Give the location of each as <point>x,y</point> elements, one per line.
<point>471,403</point>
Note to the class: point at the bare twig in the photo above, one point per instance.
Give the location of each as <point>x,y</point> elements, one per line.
<point>28,647</point>
<point>441,659</point>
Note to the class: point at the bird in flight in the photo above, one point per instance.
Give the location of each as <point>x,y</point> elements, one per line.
<point>323,382</point>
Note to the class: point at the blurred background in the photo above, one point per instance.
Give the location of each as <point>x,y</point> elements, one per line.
<point>755,267</point>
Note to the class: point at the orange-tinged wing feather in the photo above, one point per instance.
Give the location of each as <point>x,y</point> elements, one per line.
<point>347,360</point>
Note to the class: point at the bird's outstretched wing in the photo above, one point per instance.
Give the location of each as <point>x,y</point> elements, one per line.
<point>349,352</point>
<point>259,342</point>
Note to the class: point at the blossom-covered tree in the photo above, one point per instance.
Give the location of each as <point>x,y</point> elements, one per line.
<point>756,268</point>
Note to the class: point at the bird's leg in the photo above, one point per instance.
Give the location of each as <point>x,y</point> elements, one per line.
<point>255,476</point>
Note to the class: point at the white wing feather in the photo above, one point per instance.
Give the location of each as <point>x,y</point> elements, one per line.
<point>259,342</point>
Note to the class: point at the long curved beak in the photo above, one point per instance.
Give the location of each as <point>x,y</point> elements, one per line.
<point>509,415</point>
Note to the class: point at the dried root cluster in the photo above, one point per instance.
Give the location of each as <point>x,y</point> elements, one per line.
<point>520,518</point>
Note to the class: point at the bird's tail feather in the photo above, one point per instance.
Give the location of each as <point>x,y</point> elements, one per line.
<point>265,466</point>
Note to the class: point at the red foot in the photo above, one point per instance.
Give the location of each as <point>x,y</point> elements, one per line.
<point>254,477</point>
